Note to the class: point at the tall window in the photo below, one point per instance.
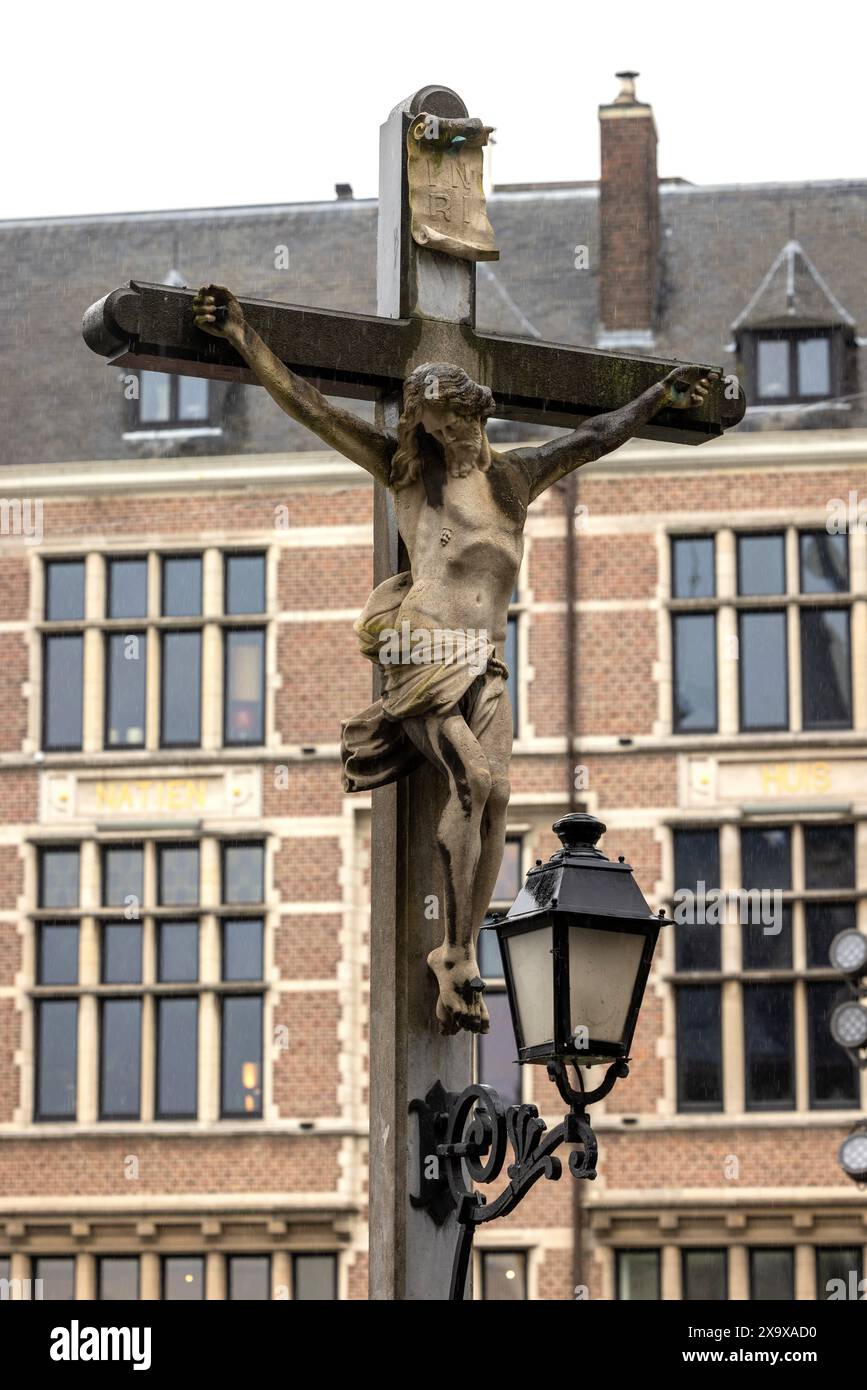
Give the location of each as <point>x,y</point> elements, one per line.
<point>153,623</point>
<point>496,1051</point>
<point>705,1275</point>
<point>149,989</point>
<point>772,1275</point>
<point>638,1275</point>
<point>693,634</point>
<point>797,891</point>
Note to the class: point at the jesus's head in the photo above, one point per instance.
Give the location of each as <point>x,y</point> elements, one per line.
<point>444,402</point>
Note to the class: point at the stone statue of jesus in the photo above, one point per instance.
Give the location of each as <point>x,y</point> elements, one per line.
<point>437,630</point>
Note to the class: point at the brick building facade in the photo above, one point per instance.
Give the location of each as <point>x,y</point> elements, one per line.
<point>184,895</point>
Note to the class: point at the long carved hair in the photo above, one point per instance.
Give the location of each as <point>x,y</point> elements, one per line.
<point>445,384</point>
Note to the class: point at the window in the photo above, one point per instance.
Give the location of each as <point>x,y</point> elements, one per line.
<point>769,1046</point>
<point>693,634</point>
<point>249,1278</point>
<point>705,1275</point>
<point>772,1275</point>
<point>699,1047</point>
<point>147,1019</point>
<point>118,1279</point>
<point>504,1275</point>
<point>154,684</point>
<point>173,402</point>
<point>496,1050</point>
<point>58,1278</point>
<point>792,365</point>
<point>787,625</point>
<point>696,871</point>
<point>183,1278</point>
<point>839,1270</point>
<point>638,1275</point>
<point>314,1278</point>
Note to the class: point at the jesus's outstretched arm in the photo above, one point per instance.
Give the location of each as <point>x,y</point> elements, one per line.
<point>218,312</point>
<point>682,389</point>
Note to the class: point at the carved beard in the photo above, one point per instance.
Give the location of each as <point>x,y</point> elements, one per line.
<point>463,456</point>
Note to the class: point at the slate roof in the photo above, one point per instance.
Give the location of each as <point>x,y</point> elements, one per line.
<point>718,244</point>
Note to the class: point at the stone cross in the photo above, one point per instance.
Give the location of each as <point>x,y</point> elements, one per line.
<point>432,228</point>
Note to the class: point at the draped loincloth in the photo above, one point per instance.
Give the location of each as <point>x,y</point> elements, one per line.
<point>443,674</point>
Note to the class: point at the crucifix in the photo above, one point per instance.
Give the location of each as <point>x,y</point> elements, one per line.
<point>434,748</point>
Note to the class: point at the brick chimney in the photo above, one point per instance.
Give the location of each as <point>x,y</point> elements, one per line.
<point>628,220</point>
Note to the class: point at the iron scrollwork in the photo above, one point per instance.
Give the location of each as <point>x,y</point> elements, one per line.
<point>470,1135</point>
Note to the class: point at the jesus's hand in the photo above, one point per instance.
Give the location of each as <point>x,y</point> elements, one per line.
<point>218,312</point>
<point>686,388</point>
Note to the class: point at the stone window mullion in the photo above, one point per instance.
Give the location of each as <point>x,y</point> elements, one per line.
<point>731,990</point>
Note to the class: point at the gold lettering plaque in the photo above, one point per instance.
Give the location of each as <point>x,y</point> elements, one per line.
<point>446,192</point>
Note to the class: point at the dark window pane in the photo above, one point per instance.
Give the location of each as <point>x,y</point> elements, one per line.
<point>243,873</point>
<point>638,1275</point>
<point>826,668</point>
<point>62,692</point>
<point>765,947</point>
<point>155,398</point>
<point>58,1278</point>
<point>490,960</point>
<point>5,1267</point>
<point>510,657</point>
<point>181,688</point>
<point>183,1278</point>
<point>193,398</point>
<point>761,565</point>
<point>699,1047</point>
<point>182,586</point>
<point>242,949</point>
<point>769,1046</point>
<point>249,1278</point>
<point>126,689</point>
<point>772,1275</point>
<point>245,687</point>
<point>830,856</point>
<point>178,874</point>
<point>314,1278</point>
<point>177,1058</point>
<point>509,879</point>
<point>834,1082</point>
<point>58,954</point>
<point>764,683</point>
<point>245,583</point>
<point>705,1276</point>
<point>838,1272</point>
<point>120,1058</point>
<point>772,362</point>
<point>58,878</point>
<point>497,1052</point>
<point>692,567</point>
<point>824,922</point>
<point>64,590</point>
<point>121,953</point>
<point>814,367</point>
<point>694,637</point>
<point>57,1038</point>
<point>766,858</point>
<point>122,876</point>
<point>118,1279</point>
<point>242,1056</point>
<point>504,1276</point>
<point>824,563</point>
<point>696,872</point>
<point>127,589</point>
<point>179,952</point>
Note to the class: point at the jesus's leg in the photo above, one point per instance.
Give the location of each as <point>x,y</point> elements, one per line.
<point>448,742</point>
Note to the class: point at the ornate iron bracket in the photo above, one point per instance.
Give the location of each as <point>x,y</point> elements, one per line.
<point>468,1135</point>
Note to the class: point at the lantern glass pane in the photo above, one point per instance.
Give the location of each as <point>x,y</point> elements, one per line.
<point>603,967</point>
<point>532,970</point>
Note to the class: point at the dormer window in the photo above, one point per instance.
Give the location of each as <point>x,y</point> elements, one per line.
<point>173,402</point>
<point>794,366</point>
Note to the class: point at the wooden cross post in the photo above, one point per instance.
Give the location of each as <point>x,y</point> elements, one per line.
<point>426,313</point>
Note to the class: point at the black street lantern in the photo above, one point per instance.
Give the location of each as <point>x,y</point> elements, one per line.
<point>577,946</point>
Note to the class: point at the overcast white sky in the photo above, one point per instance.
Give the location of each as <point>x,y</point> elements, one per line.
<point>111,107</point>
